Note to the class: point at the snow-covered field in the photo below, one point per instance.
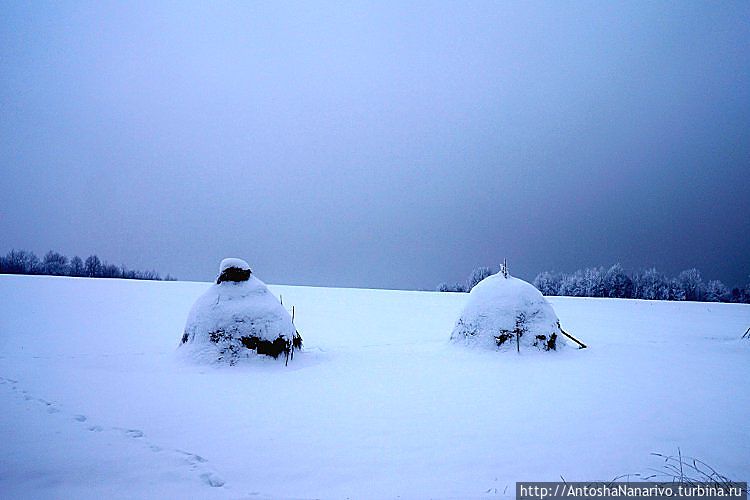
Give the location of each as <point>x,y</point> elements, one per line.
<point>95,402</point>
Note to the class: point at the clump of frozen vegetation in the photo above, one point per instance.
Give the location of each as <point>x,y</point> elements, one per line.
<point>239,317</point>
<point>506,313</point>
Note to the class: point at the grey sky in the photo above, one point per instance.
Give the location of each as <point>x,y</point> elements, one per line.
<point>378,144</point>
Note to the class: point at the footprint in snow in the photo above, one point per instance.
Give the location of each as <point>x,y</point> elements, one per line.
<point>195,461</point>
<point>212,479</point>
<point>51,407</point>
<point>131,433</point>
<point>192,458</point>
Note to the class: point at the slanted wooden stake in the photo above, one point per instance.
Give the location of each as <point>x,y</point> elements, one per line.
<point>580,344</point>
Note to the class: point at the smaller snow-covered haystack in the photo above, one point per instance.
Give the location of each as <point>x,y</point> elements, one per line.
<point>506,313</point>
<point>238,316</point>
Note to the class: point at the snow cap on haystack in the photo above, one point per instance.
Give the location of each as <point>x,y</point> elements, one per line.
<point>233,269</point>
<point>238,317</point>
<point>504,313</point>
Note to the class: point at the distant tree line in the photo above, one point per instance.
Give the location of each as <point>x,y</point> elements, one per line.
<point>475,277</point>
<point>615,282</point>
<point>649,284</point>
<point>56,264</point>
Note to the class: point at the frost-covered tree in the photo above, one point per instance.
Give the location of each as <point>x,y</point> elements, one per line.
<point>617,283</point>
<point>93,266</point>
<point>55,264</point>
<point>675,290</point>
<point>476,276</point>
<point>743,294</point>
<point>76,268</point>
<point>651,285</point>
<point>548,283</point>
<point>639,285</point>
<point>110,271</point>
<point>691,282</point>
<point>716,291</point>
<point>593,282</point>
<point>456,287</point>
<point>21,262</point>
<point>572,285</point>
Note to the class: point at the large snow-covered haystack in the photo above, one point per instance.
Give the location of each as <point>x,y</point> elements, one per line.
<point>238,317</point>
<point>506,313</point>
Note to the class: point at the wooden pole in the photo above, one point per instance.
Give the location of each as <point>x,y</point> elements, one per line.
<point>581,344</point>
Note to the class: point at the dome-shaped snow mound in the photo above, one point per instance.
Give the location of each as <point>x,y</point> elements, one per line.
<point>238,317</point>
<point>504,313</point>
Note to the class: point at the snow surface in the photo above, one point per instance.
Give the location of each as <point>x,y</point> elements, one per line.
<point>244,308</point>
<point>494,305</point>
<point>380,404</point>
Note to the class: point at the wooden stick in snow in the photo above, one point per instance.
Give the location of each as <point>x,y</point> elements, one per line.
<point>581,344</point>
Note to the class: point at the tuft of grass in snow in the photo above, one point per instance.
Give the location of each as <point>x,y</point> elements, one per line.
<point>690,471</point>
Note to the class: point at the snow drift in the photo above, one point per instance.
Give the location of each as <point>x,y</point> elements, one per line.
<point>504,313</point>
<point>238,317</point>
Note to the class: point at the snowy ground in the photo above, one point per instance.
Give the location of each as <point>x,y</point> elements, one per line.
<point>95,403</point>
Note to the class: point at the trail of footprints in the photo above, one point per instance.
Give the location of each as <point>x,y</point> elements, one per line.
<point>195,462</point>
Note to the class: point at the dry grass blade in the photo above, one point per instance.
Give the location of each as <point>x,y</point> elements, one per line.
<point>690,471</point>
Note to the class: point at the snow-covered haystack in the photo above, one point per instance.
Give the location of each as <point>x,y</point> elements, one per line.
<point>238,317</point>
<point>504,313</point>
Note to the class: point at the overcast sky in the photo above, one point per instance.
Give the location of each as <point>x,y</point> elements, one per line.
<point>378,144</point>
